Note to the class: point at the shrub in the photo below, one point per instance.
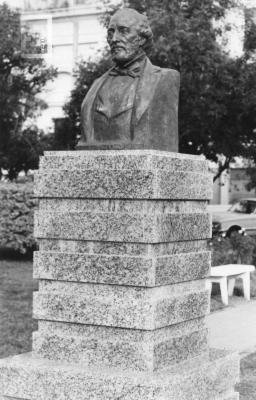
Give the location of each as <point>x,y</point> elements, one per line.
<point>17,216</point>
<point>234,250</point>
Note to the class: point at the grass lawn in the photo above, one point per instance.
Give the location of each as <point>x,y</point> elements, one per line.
<point>16,326</point>
<point>16,288</point>
<point>247,385</point>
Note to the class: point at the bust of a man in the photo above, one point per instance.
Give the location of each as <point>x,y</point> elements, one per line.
<point>134,105</point>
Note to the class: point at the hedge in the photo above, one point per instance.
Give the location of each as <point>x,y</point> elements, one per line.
<point>17,207</point>
<point>238,249</point>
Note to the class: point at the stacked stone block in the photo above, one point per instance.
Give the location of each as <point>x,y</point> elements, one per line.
<point>122,298</point>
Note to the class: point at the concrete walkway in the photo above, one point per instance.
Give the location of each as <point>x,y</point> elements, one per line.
<point>234,327</point>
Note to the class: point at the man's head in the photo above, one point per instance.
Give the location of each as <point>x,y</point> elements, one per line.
<point>129,34</point>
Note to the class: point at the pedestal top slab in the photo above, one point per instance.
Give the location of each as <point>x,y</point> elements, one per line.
<point>123,174</point>
<point>123,159</point>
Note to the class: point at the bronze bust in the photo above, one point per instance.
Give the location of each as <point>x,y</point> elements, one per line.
<point>134,105</point>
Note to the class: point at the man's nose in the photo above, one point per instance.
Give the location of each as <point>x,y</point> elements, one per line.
<point>115,36</point>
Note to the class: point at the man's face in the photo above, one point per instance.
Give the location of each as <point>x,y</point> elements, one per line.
<point>123,37</point>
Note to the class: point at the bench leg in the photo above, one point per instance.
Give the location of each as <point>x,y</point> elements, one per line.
<point>231,285</point>
<point>246,285</point>
<point>208,285</point>
<point>224,290</point>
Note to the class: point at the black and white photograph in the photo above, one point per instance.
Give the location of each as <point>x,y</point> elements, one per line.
<point>127,199</point>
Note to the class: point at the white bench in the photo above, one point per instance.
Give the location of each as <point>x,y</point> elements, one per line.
<point>226,275</point>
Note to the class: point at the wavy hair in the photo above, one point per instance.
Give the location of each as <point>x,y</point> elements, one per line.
<point>146,32</point>
<point>144,29</point>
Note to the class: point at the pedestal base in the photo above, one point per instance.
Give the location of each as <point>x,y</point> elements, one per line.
<point>27,378</point>
<point>122,299</point>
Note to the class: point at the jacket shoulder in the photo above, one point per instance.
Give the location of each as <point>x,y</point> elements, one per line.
<point>172,73</point>
<point>93,89</point>
<point>170,78</point>
<point>98,80</point>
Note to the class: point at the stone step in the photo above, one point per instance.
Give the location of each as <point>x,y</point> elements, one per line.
<point>121,269</point>
<point>29,378</point>
<point>123,184</point>
<point>132,206</point>
<point>121,306</point>
<point>122,227</point>
<point>124,160</point>
<point>124,348</point>
<point>123,249</point>
<point>230,396</point>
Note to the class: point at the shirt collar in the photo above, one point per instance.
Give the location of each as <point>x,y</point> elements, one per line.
<point>131,68</point>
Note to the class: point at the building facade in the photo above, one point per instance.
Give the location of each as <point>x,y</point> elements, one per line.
<point>232,186</point>
<point>72,30</point>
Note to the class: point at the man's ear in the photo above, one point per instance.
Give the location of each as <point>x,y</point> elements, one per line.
<point>142,41</point>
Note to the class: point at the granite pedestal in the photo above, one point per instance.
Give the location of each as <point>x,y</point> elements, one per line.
<point>122,297</point>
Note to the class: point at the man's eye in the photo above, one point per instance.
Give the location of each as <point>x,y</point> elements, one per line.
<point>123,30</point>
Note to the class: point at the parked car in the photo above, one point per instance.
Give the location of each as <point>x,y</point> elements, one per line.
<point>240,217</point>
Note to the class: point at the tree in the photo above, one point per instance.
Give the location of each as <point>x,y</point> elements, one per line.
<point>21,79</point>
<point>250,32</point>
<point>63,137</point>
<point>250,49</point>
<point>86,73</point>
<point>217,113</point>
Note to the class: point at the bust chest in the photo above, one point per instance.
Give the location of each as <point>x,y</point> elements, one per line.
<point>114,107</point>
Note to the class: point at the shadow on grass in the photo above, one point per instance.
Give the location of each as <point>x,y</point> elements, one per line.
<point>10,254</point>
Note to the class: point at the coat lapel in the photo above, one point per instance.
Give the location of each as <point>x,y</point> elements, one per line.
<point>87,107</point>
<point>144,94</point>
<point>146,89</point>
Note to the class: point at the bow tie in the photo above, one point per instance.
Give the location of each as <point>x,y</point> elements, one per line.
<point>132,72</point>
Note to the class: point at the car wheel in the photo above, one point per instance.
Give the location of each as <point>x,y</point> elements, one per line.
<point>233,231</point>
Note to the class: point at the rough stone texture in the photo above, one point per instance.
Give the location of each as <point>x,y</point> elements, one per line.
<point>38,379</point>
<point>123,174</point>
<point>121,306</point>
<point>124,348</point>
<point>138,184</point>
<point>144,207</point>
<point>229,396</point>
<point>123,249</point>
<point>124,160</point>
<point>181,267</point>
<point>120,269</point>
<point>116,206</point>
<point>122,227</point>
